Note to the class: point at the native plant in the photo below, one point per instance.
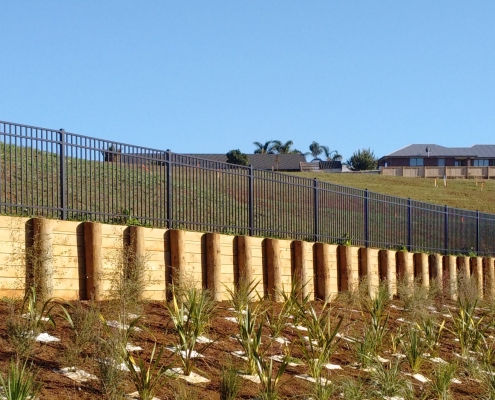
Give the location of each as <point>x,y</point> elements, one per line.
<point>191,316</point>
<point>465,327</point>
<point>388,380</point>
<point>230,382</point>
<point>413,348</point>
<point>83,323</point>
<point>269,380</point>
<point>250,329</point>
<point>439,387</point>
<point>19,383</point>
<point>147,379</point>
<point>431,332</point>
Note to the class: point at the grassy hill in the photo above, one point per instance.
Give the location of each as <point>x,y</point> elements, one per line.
<point>459,193</point>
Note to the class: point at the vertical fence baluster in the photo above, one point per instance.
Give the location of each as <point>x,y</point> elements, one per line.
<point>316,210</point>
<point>63,199</point>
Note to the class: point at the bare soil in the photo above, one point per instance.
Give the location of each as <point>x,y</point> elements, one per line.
<point>158,327</point>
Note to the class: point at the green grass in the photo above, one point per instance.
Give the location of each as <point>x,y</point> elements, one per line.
<point>459,193</point>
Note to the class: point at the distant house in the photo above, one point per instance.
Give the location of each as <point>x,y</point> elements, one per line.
<point>432,155</point>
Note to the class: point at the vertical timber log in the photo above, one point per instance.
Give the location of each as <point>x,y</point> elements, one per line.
<point>214,265</point>
<point>178,255</point>
<point>405,268</point>
<point>326,271</point>
<point>477,268</point>
<point>451,264</point>
<point>244,261</point>
<point>421,263</point>
<point>369,268</point>
<point>489,274</point>
<point>137,256</point>
<point>436,271</point>
<point>300,277</point>
<point>94,260</point>
<point>274,269</point>
<point>42,260</point>
<point>388,270</point>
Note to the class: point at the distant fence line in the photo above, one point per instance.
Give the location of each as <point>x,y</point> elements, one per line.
<point>57,174</point>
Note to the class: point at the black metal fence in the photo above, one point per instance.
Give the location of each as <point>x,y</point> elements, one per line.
<point>58,174</point>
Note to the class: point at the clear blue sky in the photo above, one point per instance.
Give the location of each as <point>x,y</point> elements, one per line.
<point>210,76</point>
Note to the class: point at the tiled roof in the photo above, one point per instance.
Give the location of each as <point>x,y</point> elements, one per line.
<point>419,150</point>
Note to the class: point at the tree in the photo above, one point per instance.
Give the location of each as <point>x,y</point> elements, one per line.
<point>284,148</point>
<point>266,148</point>
<point>237,157</point>
<point>362,160</point>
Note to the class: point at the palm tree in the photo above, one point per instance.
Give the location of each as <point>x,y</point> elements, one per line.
<point>331,155</point>
<point>284,148</point>
<point>316,149</point>
<point>267,148</point>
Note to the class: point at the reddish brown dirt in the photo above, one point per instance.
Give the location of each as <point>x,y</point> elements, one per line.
<point>158,326</point>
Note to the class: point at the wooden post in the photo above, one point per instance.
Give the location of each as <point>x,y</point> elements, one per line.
<point>244,260</point>
<point>43,253</point>
<point>94,260</point>
<point>347,277</point>
<point>421,263</point>
<point>464,271</point>
<point>137,247</point>
<point>300,273</point>
<point>178,255</point>
<point>489,274</point>
<point>388,270</point>
<point>437,271</point>
<point>369,268</point>
<point>452,269</point>
<point>477,268</point>
<point>214,265</point>
<point>405,268</point>
<point>326,271</point>
<point>274,269</point>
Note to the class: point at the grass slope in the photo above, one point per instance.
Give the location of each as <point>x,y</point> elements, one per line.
<point>459,193</point>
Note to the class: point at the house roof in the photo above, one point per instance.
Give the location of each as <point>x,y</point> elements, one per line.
<point>287,162</point>
<point>419,150</point>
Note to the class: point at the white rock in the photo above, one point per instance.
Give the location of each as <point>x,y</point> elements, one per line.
<point>252,378</point>
<point>332,366</point>
<point>131,347</point>
<point>46,338</point>
<point>309,378</point>
<point>194,353</point>
<point>279,359</point>
<point>135,395</point>
<point>120,325</point>
<point>240,354</point>
<point>203,340</point>
<point>438,360</point>
<point>231,319</point>
<point>192,378</point>
<point>75,374</point>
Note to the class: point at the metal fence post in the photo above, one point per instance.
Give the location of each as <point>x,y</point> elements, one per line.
<point>409,225</point>
<point>366,218</point>
<point>169,189</point>
<point>446,230</point>
<point>251,201</point>
<point>477,232</point>
<point>316,210</point>
<point>63,197</point>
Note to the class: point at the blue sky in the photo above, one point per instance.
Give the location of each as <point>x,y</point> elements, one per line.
<point>211,76</point>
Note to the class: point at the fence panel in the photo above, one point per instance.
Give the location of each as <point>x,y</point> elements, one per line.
<point>58,174</point>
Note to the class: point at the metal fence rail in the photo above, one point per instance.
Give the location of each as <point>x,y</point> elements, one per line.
<point>63,175</point>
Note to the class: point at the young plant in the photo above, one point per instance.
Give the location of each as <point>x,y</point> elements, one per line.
<point>375,307</point>
<point>250,335</point>
<point>230,382</point>
<point>191,319</point>
<point>413,348</point>
<point>242,295</point>
<point>465,327</point>
<point>269,380</point>
<point>83,323</point>
<point>388,381</point>
<point>147,379</point>
<point>431,332</point>
<point>353,389</point>
<point>439,387</point>
<point>19,383</point>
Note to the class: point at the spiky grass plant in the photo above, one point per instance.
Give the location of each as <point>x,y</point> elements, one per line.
<point>441,381</point>
<point>431,332</point>
<point>353,389</point>
<point>191,318</point>
<point>19,383</point>
<point>269,380</point>
<point>250,329</point>
<point>388,381</point>
<point>319,346</point>
<point>83,323</point>
<point>414,297</point>
<point>413,347</point>
<point>147,379</point>
<point>242,295</point>
<point>230,382</point>
<point>468,329</point>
